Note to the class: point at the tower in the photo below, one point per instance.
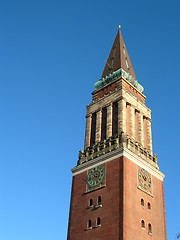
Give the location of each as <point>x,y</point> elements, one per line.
<point>117,187</point>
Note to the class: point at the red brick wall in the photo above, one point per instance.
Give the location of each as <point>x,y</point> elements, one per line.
<point>134,92</point>
<point>110,213</point>
<point>111,88</point>
<point>122,212</point>
<point>134,212</point>
<point>105,91</point>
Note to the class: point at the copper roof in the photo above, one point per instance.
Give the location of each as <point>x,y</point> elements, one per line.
<point>118,57</point>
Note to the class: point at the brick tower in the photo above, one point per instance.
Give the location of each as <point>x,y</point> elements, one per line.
<point>117,188</point>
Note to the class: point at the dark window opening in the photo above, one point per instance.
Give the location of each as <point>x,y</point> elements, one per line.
<point>90,202</point>
<point>142,224</point>
<point>89,224</point>
<point>98,221</point>
<point>142,202</point>
<point>93,129</point>
<point>149,228</point>
<point>99,200</point>
<point>104,124</point>
<point>149,206</point>
<point>115,119</point>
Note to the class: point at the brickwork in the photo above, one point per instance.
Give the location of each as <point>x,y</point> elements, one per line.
<point>133,91</point>
<point>106,90</point>
<point>110,212</point>
<point>129,101</point>
<point>134,212</point>
<point>118,134</point>
<point>121,212</point>
<point>97,95</point>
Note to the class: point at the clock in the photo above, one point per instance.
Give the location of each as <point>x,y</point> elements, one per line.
<point>144,179</point>
<point>96,177</point>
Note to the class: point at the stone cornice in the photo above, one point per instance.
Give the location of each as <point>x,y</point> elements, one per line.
<point>118,145</point>
<point>123,151</point>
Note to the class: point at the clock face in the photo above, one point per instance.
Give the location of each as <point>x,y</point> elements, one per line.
<point>144,178</point>
<point>95,176</point>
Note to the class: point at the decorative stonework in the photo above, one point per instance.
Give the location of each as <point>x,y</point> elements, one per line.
<point>115,75</point>
<point>113,143</point>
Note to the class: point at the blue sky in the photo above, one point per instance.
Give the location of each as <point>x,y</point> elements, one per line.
<point>51,54</point>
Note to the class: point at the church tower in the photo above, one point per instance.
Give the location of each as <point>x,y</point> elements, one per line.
<point>117,187</point>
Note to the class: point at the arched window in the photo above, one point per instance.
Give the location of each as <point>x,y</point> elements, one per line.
<point>99,200</point>
<point>149,206</point>
<point>142,224</point>
<point>149,229</point>
<point>90,203</point>
<point>98,221</point>
<point>142,202</point>
<point>89,224</point>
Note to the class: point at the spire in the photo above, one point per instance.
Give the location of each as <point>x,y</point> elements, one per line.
<point>118,57</point>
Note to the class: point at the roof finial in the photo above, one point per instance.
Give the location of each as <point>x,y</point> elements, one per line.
<point>119,27</point>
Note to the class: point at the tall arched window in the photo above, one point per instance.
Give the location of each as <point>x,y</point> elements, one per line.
<point>98,221</point>
<point>149,206</point>
<point>90,203</point>
<point>142,224</point>
<point>149,229</point>
<point>142,202</point>
<point>99,200</point>
<point>89,224</point>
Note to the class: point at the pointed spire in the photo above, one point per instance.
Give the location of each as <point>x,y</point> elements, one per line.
<point>118,57</point>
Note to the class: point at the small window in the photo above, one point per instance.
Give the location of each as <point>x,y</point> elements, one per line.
<point>114,51</point>
<point>142,202</point>
<point>90,203</point>
<point>99,200</point>
<point>149,206</point>
<point>112,62</point>
<point>149,229</point>
<point>142,224</point>
<point>98,221</point>
<point>89,224</point>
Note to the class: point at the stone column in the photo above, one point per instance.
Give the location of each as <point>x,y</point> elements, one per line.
<point>98,126</point>
<point>132,125</point>
<point>140,128</point>
<point>88,131</point>
<point>121,116</point>
<point>149,135</point>
<point>109,121</point>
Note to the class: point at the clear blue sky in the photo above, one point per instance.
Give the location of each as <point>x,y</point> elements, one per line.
<point>51,54</point>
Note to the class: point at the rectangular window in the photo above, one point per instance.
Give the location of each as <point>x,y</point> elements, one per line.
<point>114,51</point>
<point>112,62</point>
<point>104,124</point>
<point>115,119</point>
<point>93,129</point>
